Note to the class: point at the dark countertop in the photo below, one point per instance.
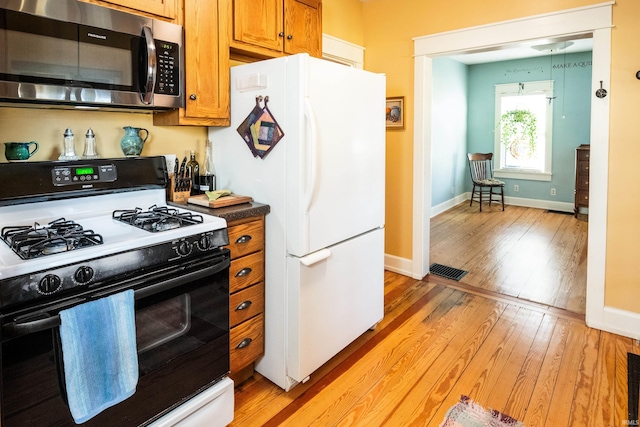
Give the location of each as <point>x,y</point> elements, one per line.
<point>229,213</point>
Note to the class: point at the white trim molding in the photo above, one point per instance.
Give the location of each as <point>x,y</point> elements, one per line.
<point>594,20</point>
<point>344,52</point>
<point>398,265</point>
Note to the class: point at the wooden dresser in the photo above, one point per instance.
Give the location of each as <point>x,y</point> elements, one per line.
<point>246,295</point>
<point>582,180</point>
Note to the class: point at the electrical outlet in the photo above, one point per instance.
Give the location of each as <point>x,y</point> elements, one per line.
<point>553,191</point>
<point>516,188</point>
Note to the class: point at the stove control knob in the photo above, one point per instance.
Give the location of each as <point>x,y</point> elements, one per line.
<point>183,248</point>
<point>83,275</point>
<point>49,284</point>
<point>204,243</point>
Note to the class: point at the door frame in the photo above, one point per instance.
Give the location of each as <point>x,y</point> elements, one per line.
<point>595,20</point>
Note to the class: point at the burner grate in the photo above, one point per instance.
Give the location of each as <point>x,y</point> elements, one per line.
<point>157,218</point>
<point>30,242</point>
<point>446,271</point>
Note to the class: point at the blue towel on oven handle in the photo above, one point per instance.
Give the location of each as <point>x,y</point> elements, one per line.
<point>99,354</point>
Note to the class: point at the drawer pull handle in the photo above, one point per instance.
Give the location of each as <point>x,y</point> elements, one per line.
<point>244,343</point>
<point>244,272</point>
<point>243,239</point>
<point>243,305</point>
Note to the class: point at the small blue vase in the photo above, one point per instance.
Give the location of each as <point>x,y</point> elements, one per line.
<point>131,143</point>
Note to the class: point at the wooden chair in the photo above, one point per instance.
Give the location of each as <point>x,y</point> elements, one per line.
<point>481,169</point>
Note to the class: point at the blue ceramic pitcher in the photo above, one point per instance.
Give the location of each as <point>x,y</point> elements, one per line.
<point>131,143</point>
<point>19,151</point>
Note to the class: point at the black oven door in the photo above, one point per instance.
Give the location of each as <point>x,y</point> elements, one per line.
<point>182,336</point>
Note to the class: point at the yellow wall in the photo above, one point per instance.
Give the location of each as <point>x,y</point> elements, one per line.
<point>47,126</point>
<point>343,19</point>
<point>389,49</point>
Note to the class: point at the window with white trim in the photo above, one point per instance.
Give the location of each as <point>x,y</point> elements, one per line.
<point>520,152</point>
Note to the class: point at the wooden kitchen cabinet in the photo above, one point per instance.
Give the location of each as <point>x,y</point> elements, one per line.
<point>165,8</point>
<point>207,101</point>
<point>270,28</point>
<point>246,295</point>
<point>582,179</point>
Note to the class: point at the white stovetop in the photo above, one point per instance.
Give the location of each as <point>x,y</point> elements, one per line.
<point>92,213</point>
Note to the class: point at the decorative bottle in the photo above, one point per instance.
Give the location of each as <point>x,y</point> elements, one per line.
<point>69,148</point>
<point>207,178</point>
<point>194,173</point>
<point>90,145</point>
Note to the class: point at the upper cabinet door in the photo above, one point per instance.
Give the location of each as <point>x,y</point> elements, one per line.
<point>206,67</point>
<point>271,28</point>
<point>165,8</point>
<point>259,23</point>
<point>303,27</point>
<point>207,63</point>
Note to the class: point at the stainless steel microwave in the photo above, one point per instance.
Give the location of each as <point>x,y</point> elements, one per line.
<point>71,53</point>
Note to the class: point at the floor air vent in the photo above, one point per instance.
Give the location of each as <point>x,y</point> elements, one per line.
<point>446,271</point>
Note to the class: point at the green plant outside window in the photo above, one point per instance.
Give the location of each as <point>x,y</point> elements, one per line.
<point>519,127</point>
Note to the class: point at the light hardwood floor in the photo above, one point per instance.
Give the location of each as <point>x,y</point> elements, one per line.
<point>441,339</point>
<point>532,254</point>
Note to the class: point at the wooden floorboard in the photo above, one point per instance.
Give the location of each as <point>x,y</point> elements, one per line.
<point>531,254</point>
<point>440,340</point>
<point>510,335</point>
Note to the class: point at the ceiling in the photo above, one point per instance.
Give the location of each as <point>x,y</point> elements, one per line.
<point>526,50</point>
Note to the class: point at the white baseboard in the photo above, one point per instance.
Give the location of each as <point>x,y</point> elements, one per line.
<point>398,265</point>
<point>539,204</point>
<point>617,321</point>
<point>445,206</point>
<point>515,201</point>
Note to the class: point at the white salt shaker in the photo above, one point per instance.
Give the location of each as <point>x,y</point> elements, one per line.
<point>90,145</point>
<point>69,149</point>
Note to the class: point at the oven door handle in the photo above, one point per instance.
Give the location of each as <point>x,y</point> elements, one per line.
<point>18,329</point>
<point>181,280</point>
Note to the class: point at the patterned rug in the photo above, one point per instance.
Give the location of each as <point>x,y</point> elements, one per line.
<point>467,413</point>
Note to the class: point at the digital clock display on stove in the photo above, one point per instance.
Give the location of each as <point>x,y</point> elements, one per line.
<point>84,171</point>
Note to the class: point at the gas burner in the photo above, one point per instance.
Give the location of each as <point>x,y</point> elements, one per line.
<point>157,218</point>
<point>58,236</point>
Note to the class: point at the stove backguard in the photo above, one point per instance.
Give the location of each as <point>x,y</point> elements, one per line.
<point>35,182</point>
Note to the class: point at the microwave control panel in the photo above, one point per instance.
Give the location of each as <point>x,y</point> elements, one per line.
<point>85,174</point>
<point>168,75</point>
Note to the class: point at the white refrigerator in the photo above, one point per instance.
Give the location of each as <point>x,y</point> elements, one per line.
<point>324,181</point>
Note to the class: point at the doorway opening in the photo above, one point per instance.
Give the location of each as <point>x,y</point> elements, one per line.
<point>595,21</point>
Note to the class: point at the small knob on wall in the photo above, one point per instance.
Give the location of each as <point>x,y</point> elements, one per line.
<point>193,97</point>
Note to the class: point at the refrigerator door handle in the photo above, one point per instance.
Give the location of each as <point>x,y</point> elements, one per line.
<point>313,148</point>
<point>315,257</point>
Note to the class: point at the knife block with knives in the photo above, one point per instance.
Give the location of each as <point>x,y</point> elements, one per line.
<point>180,183</point>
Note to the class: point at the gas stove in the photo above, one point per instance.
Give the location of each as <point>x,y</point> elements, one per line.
<point>76,233</point>
<point>60,222</point>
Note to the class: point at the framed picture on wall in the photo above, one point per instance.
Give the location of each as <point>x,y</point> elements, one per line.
<point>395,112</point>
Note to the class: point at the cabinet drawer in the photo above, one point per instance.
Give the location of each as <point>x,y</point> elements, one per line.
<point>246,238</point>
<point>583,155</point>
<point>246,342</point>
<point>246,271</point>
<point>582,198</point>
<point>245,304</point>
<point>583,182</point>
<point>583,168</point>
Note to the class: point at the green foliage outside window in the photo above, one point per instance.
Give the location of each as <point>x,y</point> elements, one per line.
<point>519,127</point>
